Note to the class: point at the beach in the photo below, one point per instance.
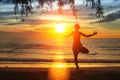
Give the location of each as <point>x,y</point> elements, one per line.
<point>84,73</point>
<point>34,48</point>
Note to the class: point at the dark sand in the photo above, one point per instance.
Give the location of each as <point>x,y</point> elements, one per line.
<point>88,73</point>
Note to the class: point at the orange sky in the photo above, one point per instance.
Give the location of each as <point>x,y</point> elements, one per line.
<point>31,33</point>
<point>45,27</point>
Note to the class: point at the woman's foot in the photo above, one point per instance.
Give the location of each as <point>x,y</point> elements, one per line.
<point>77,67</point>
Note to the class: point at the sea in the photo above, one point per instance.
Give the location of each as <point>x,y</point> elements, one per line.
<point>46,52</point>
<point>57,52</point>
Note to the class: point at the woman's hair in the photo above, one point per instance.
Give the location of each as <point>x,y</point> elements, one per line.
<point>77,26</point>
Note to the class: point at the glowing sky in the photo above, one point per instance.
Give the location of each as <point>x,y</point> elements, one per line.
<point>36,26</point>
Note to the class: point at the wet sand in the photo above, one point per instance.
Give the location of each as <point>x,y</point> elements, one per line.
<point>84,73</point>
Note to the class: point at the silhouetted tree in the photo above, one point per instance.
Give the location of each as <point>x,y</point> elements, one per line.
<point>97,5</point>
<point>25,6</point>
<point>99,10</point>
<point>90,2</point>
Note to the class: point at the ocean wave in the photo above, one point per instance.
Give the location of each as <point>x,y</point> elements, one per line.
<point>29,46</point>
<point>3,51</point>
<point>109,46</point>
<point>113,54</point>
<point>33,60</point>
<point>113,49</point>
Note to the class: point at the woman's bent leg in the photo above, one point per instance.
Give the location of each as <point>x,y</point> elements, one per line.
<point>84,50</point>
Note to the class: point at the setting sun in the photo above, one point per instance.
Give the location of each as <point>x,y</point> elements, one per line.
<point>60,27</point>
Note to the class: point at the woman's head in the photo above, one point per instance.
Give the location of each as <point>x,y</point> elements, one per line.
<point>77,26</point>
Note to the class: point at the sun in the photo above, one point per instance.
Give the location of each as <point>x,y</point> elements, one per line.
<point>60,28</point>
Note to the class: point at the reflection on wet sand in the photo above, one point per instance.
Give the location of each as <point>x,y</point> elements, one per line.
<point>58,70</point>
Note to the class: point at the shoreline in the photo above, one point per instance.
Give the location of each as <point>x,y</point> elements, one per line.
<point>70,68</point>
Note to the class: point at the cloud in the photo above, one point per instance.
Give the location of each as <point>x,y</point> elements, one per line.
<point>112,17</point>
<point>5,32</point>
<point>43,28</point>
<point>109,17</point>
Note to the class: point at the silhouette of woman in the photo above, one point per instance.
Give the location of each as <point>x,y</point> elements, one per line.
<point>77,46</point>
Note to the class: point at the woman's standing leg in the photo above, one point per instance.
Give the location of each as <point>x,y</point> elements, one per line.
<point>76,59</point>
